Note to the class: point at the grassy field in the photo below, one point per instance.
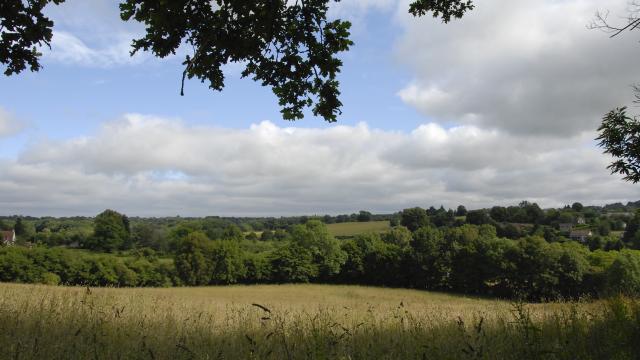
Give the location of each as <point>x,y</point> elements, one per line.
<point>304,322</point>
<point>355,228</point>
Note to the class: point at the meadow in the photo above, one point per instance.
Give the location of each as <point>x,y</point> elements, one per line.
<point>348,229</point>
<point>304,322</point>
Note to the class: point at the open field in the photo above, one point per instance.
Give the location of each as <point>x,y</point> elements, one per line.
<point>301,322</point>
<point>355,228</point>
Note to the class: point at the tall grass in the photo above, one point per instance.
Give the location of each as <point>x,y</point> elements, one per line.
<point>305,322</point>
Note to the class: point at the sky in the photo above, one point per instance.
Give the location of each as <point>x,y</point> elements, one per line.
<point>498,107</point>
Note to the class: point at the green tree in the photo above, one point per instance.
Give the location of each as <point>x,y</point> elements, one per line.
<point>414,218</point>
<point>619,133</point>
<point>364,216</point>
<point>251,236</point>
<point>478,263</point>
<point>292,263</point>
<point>324,248</point>
<point>461,210</point>
<point>266,235</point>
<point>535,274</point>
<point>227,261</point>
<point>232,232</point>
<point>510,231</point>
<point>291,47</point>
<point>604,227</point>
<point>146,235</point>
<point>19,227</point>
<point>23,27</point>
<point>193,264</point>
<point>577,207</point>
<point>619,136</point>
<point>623,276</point>
<point>478,217</point>
<point>571,268</point>
<point>430,259</point>
<point>498,213</point>
<point>398,235</point>
<point>385,264</point>
<point>596,243</point>
<point>110,232</point>
<point>633,226</point>
<point>353,269</point>
<point>4,225</point>
<point>257,268</point>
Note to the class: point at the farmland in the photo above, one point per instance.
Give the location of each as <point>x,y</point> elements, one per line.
<point>348,229</point>
<point>302,321</point>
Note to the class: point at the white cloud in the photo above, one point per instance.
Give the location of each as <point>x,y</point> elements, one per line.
<point>356,8</point>
<point>9,125</point>
<point>525,67</point>
<point>146,165</point>
<point>68,49</point>
<point>91,34</point>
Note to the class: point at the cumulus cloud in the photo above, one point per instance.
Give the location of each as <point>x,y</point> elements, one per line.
<point>68,49</point>
<point>9,125</point>
<point>356,8</point>
<point>91,34</point>
<point>147,165</point>
<point>524,67</point>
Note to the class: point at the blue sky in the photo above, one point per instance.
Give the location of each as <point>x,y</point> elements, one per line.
<point>73,99</point>
<point>496,108</point>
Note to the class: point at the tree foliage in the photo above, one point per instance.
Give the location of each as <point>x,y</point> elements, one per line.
<point>414,218</point>
<point>19,227</point>
<point>522,256</point>
<point>192,260</point>
<point>291,47</point>
<point>111,232</point>
<point>619,135</point>
<point>23,28</point>
<point>445,9</point>
<point>623,276</point>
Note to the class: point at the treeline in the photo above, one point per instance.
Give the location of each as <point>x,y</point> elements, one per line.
<point>469,259</point>
<point>114,232</point>
<point>111,231</point>
<point>55,266</point>
<point>510,252</point>
<point>528,219</point>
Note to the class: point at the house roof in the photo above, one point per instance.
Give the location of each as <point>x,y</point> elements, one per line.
<point>7,235</point>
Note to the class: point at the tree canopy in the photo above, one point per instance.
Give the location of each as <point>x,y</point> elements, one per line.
<point>620,137</point>
<point>22,27</point>
<point>291,47</point>
<point>110,231</point>
<point>619,133</point>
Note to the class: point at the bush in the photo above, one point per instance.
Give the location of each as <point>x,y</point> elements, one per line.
<point>623,276</point>
<point>50,279</point>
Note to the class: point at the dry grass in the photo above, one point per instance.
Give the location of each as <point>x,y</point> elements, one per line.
<point>213,299</point>
<point>285,322</point>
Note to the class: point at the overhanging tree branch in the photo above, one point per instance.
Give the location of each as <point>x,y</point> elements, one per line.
<point>292,48</point>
